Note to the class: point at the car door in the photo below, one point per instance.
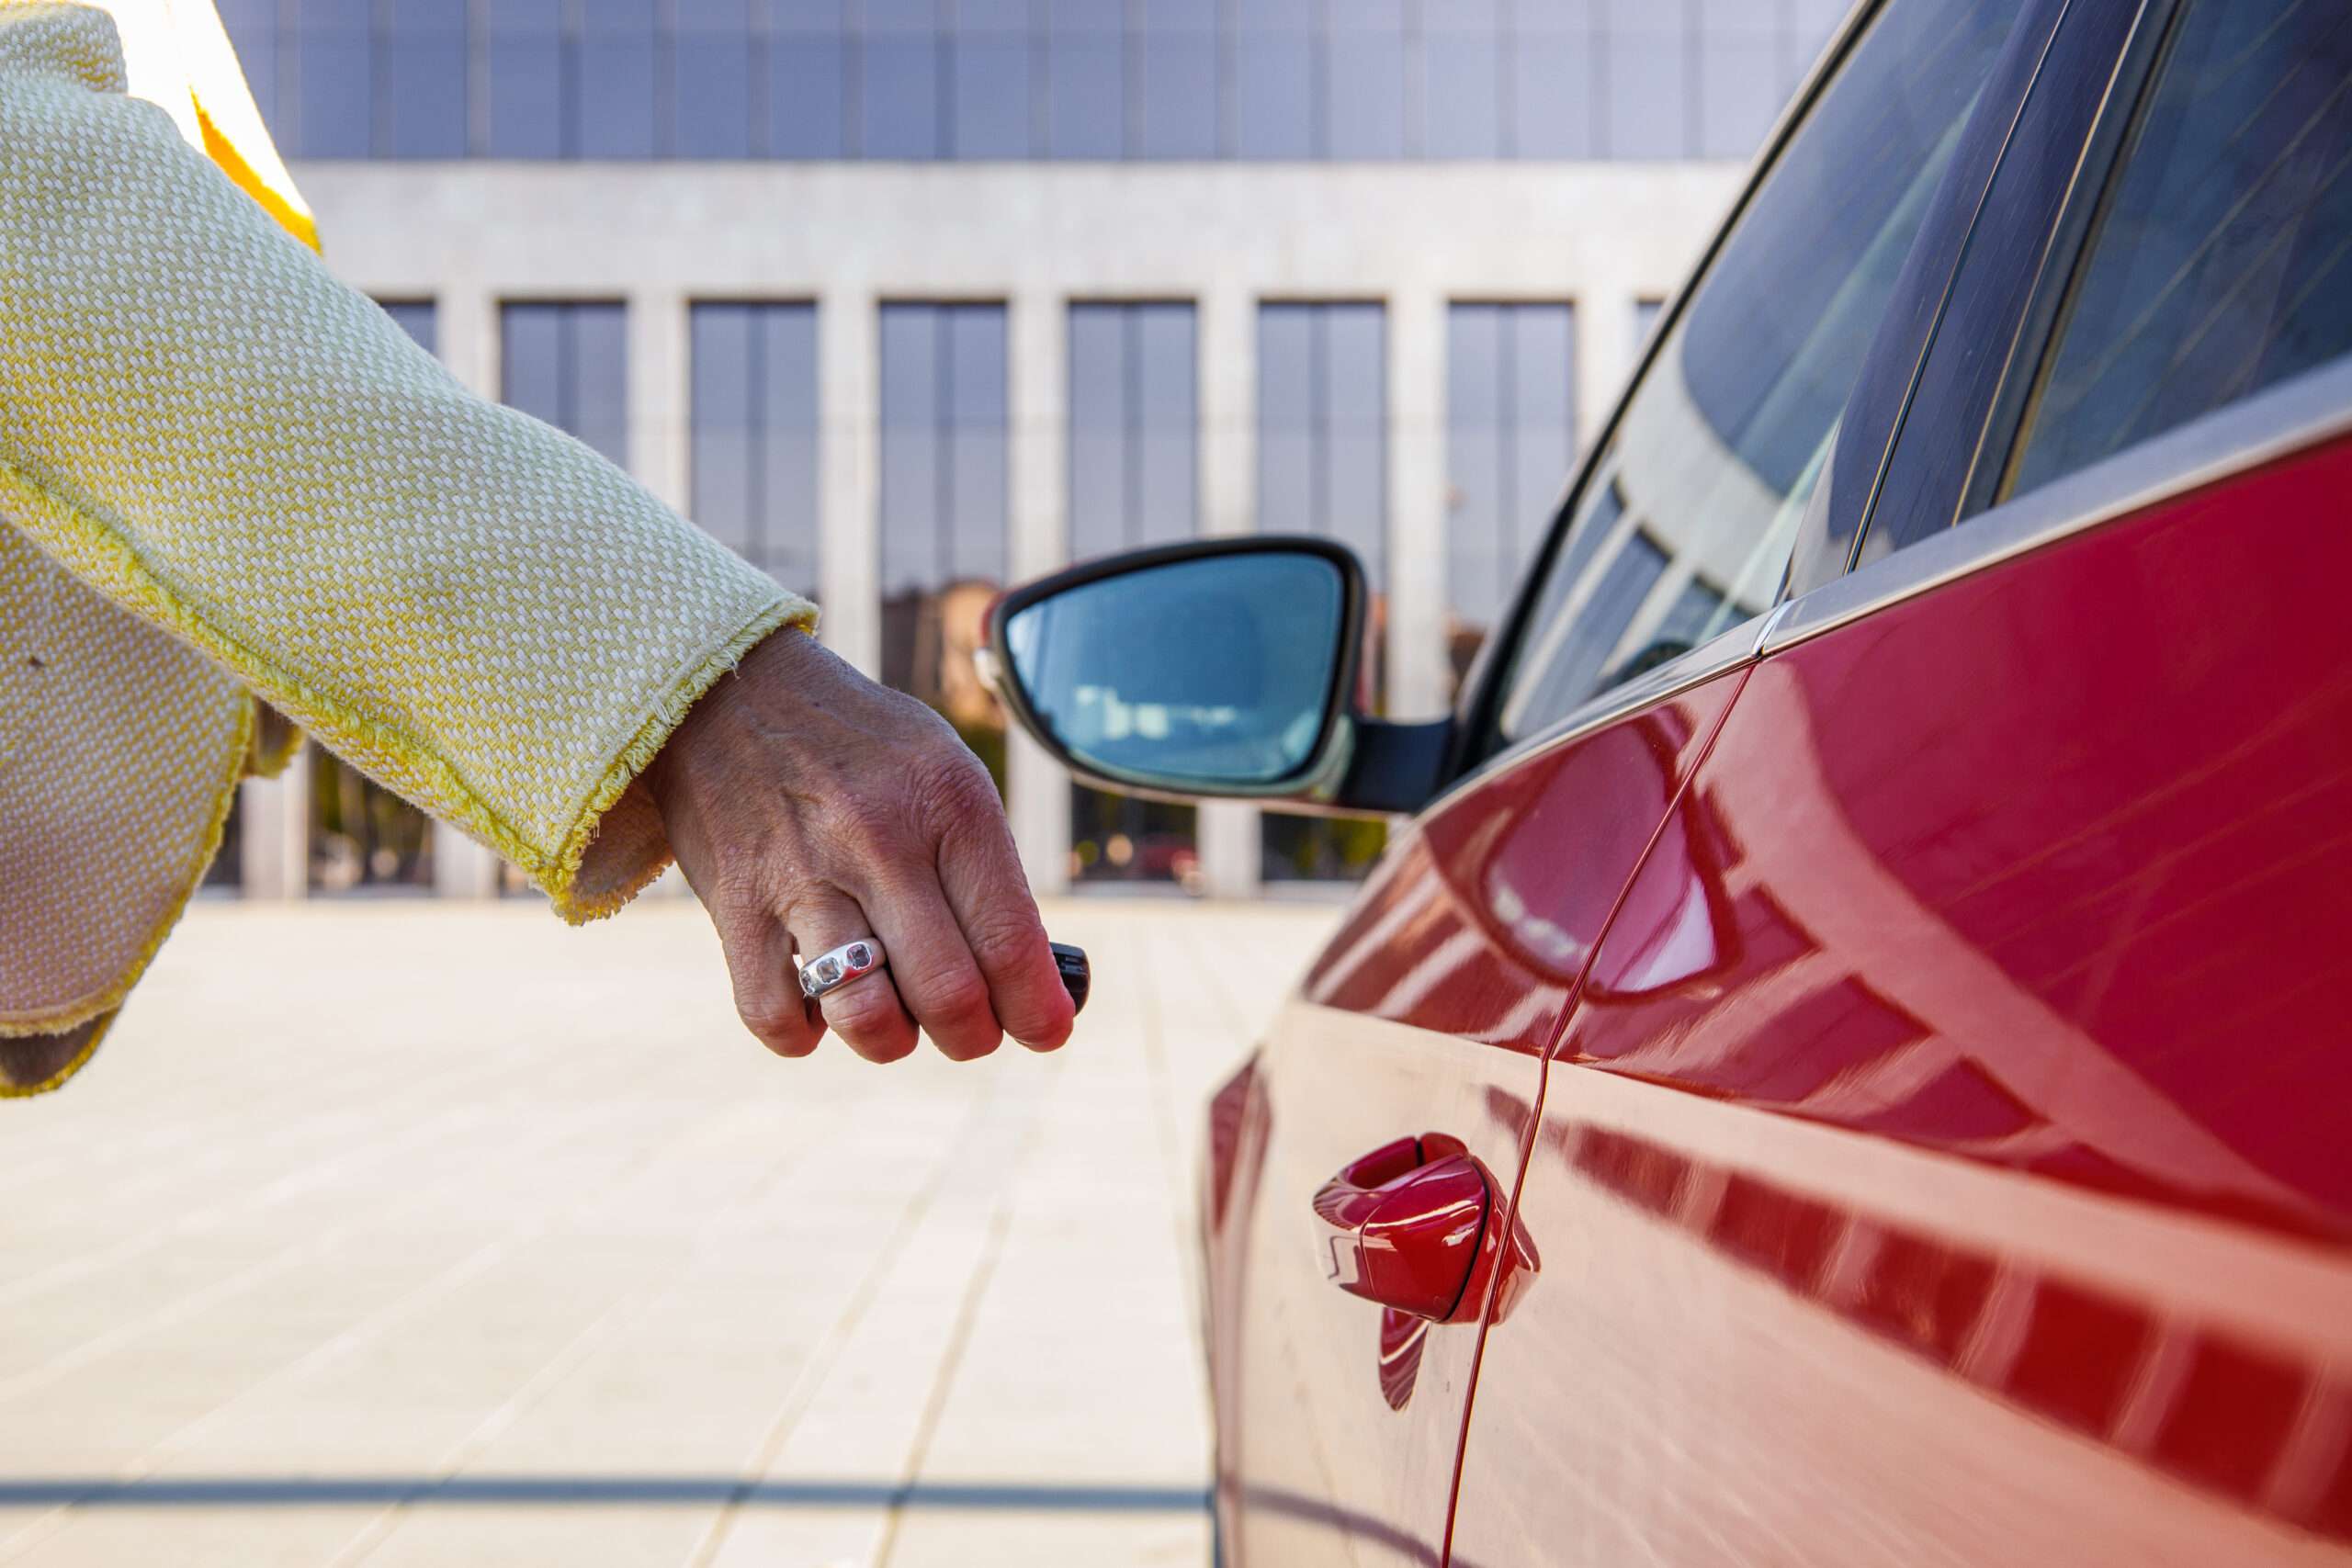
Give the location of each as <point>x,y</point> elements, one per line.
<point>1966,1184</point>
<point>1417,1039</point>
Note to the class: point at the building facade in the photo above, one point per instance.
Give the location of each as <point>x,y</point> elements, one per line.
<point>905,299</point>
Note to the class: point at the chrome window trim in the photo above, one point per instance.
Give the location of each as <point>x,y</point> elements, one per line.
<point>1727,650</point>
<point>2281,420</point>
<point>1478,709</point>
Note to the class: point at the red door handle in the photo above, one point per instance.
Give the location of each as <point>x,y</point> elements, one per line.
<point>1406,1226</point>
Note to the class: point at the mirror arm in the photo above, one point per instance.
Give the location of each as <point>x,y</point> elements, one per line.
<point>1395,767</point>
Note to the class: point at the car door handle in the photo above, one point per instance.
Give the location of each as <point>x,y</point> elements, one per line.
<point>1406,1226</point>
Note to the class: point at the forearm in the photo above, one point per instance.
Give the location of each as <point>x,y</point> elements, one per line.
<point>198,418</point>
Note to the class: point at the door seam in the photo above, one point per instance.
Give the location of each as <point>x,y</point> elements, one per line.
<point>1559,1034</point>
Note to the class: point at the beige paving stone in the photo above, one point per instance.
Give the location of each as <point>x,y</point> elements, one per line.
<point>406,1234</point>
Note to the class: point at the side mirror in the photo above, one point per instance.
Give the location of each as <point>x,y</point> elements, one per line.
<point>1225,667</point>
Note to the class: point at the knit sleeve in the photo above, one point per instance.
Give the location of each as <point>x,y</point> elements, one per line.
<point>196,419</point>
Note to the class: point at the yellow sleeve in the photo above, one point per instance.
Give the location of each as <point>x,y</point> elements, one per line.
<point>196,419</point>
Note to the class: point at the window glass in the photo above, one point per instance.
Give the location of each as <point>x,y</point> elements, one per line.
<point>614,107</point>
<point>525,67</point>
<point>1461,64</point>
<point>1133,481</point>
<point>568,364</point>
<point>1717,450</point>
<point>423,80</point>
<point>753,435</point>
<point>1644,62</point>
<point>1365,108</point>
<point>1510,435</point>
<point>808,66</point>
<point>991,86</point>
<point>252,25</point>
<point>415,317</point>
<point>899,87</point>
<point>1553,95</point>
<point>2222,262</point>
<point>333,71</point>
<point>943,508</point>
<point>1742,81</point>
<point>1322,468</point>
<point>1179,45</point>
<point>1086,78</point>
<point>710,84</point>
<point>1274,81</point>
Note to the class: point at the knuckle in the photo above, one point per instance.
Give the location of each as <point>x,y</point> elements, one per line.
<point>775,1016</point>
<point>954,788</point>
<point>862,1010</point>
<point>970,1050</point>
<point>959,997</point>
<point>1004,940</point>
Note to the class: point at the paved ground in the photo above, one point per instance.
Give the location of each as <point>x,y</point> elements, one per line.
<point>409,1234</point>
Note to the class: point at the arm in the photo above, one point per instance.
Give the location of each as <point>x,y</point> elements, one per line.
<point>198,420</point>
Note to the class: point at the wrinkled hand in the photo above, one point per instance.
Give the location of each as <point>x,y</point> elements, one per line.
<point>808,808</point>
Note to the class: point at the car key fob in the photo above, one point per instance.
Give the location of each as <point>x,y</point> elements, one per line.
<point>1077,973</point>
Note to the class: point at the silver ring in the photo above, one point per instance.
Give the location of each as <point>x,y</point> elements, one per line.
<point>850,961</point>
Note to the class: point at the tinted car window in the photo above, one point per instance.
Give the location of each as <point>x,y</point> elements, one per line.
<point>1685,527</point>
<point>2222,262</point>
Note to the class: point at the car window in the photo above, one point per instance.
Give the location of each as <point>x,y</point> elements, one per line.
<point>1685,526</point>
<point>2223,261</point>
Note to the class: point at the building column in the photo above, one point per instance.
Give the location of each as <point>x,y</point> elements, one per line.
<point>1037,788</point>
<point>1606,348</point>
<point>659,432</point>
<point>274,833</point>
<point>849,413</point>
<point>467,324</point>
<point>1419,683</point>
<point>1231,855</point>
<point>658,395</point>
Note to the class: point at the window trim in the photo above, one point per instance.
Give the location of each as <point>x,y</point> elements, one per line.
<point>1477,744</point>
<point>2291,416</point>
<point>1997,300</point>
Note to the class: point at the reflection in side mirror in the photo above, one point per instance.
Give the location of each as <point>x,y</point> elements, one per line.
<point>1218,670</point>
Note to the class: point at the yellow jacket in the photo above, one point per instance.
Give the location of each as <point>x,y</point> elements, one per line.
<point>225,476</point>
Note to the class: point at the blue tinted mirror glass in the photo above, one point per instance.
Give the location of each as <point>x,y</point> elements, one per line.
<point>1194,675</point>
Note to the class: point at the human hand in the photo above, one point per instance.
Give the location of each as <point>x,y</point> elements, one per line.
<point>809,807</point>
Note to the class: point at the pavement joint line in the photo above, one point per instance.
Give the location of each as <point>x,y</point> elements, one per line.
<point>453,1276</point>
<point>241,1279</point>
<point>944,1380</point>
<point>625,1310</point>
<point>303,1177</point>
<point>805,1388</point>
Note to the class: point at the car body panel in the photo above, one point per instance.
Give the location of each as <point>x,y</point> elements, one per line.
<point>1339,1421</point>
<point>1965,1181</point>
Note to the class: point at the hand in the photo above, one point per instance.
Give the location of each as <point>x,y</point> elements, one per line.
<point>808,808</point>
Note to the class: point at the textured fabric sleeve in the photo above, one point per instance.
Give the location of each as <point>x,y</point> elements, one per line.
<point>200,421</point>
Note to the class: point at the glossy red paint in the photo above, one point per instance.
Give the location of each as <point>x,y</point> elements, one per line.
<point>1402,1227</point>
<point>1423,1022</point>
<point>1945,1160</point>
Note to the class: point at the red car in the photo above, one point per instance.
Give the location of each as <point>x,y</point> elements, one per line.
<point>1846,1061</point>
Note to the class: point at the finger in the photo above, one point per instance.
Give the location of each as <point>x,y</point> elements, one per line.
<point>980,874</point>
<point>767,985</point>
<point>866,1012</point>
<point>931,966</point>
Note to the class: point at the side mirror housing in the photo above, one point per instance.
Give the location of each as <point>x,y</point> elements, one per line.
<point>1218,668</point>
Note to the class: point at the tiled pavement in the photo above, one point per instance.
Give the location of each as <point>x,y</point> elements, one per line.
<point>403,1233</point>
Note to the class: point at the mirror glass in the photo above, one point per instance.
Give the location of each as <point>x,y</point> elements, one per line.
<point>1214,671</point>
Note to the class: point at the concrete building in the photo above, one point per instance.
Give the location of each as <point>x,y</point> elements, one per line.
<point>901,297</point>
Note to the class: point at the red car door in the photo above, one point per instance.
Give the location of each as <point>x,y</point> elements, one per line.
<point>1415,1042</point>
<point>1404,1073</point>
<point>1949,1135</point>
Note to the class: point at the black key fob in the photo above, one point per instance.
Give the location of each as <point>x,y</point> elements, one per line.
<point>1077,973</point>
